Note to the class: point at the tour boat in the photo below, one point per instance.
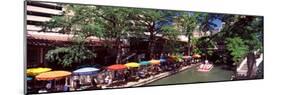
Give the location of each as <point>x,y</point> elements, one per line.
<point>205,67</point>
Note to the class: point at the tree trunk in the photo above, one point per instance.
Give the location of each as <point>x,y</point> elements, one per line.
<point>251,61</point>
<point>189,45</point>
<point>151,40</point>
<point>151,45</point>
<point>119,48</point>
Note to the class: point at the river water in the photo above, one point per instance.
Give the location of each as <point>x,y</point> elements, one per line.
<point>192,76</point>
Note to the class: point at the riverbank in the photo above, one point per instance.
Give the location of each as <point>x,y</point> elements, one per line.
<point>150,79</point>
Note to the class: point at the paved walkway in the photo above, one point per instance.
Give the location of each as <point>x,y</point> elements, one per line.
<point>243,68</point>
<point>152,78</point>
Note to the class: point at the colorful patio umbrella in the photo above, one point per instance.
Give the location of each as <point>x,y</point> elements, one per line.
<point>117,67</point>
<point>179,59</point>
<point>29,78</point>
<point>196,56</point>
<point>144,63</point>
<point>186,57</point>
<point>36,71</point>
<point>86,71</point>
<point>53,75</point>
<point>132,65</point>
<point>162,60</point>
<point>154,61</point>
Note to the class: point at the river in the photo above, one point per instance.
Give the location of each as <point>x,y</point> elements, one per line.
<point>192,76</point>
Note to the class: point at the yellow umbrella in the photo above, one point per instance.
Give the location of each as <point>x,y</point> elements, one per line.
<point>36,71</point>
<point>154,61</point>
<point>180,60</point>
<point>53,75</point>
<point>132,65</point>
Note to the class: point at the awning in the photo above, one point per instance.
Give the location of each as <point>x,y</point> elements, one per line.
<point>47,38</point>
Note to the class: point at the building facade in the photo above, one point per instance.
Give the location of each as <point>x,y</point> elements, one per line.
<point>37,13</point>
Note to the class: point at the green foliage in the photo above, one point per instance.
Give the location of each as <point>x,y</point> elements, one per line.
<point>197,51</point>
<point>187,22</point>
<point>172,46</point>
<point>241,35</point>
<point>93,30</point>
<point>81,22</point>
<point>237,47</point>
<point>77,19</point>
<point>170,32</point>
<point>67,56</point>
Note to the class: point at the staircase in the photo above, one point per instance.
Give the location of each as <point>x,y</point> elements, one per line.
<point>243,67</point>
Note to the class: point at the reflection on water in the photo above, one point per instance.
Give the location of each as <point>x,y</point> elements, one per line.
<point>192,75</point>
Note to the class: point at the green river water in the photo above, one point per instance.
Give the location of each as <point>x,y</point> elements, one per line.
<point>192,76</point>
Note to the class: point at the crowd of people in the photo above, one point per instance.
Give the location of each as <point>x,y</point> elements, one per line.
<point>107,78</point>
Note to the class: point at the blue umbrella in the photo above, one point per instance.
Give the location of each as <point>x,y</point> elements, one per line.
<point>162,60</point>
<point>29,78</point>
<point>144,63</point>
<point>86,71</point>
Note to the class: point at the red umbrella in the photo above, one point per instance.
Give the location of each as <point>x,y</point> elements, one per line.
<point>117,67</point>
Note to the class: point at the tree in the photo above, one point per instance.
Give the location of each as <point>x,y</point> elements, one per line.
<point>80,22</point>
<point>66,56</point>
<point>171,33</point>
<point>187,22</point>
<point>238,49</point>
<point>117,23</point>
<point>155,22</point>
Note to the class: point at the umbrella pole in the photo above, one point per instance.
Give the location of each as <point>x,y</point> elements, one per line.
<point>66,87</point>
<point>66,81</point>
<point>54,84</point>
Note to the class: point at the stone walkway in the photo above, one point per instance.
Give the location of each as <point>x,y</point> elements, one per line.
<point>152,78</point>
<point>243,68</point>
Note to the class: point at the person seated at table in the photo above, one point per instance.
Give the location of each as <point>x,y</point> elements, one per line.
<point>141,73</point>
<point>108,79</point>
<point>100,79</point>
<point>95,84</point>
<point>49,86</point>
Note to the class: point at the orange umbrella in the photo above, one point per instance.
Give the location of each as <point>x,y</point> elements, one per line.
<point>154,61</point>
<point>117,67</point>
<point>53,75</point>
<point>196,56</point>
